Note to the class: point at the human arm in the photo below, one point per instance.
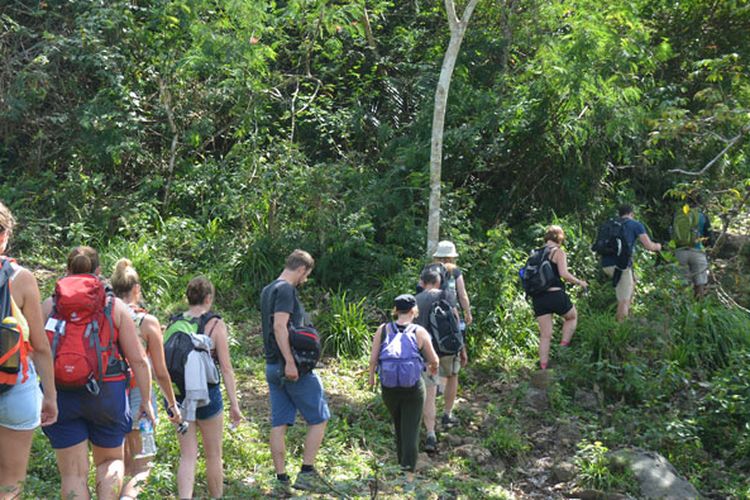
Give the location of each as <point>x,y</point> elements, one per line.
<point>29,304</point>
<point>561,259</point>
<point>135,355</point>
<point>375,353</point>
<point>221,345</point>
<point>648,244</point>
<point>281,334</point>
<point>151,331</point>
<point>463,299</point>
<point>424,342</point>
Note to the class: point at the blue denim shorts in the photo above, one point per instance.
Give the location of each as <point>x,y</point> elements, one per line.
<point>103,419</point>
<point>211,409</point>
<point>134,399</point>
<point>287,398</point>
<point>21,406</point>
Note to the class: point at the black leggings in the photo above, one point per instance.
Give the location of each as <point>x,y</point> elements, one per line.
<point>405,406</point>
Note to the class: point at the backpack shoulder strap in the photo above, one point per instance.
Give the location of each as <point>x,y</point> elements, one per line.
<point>552,251</point>
<point>411,328</point>
<point>203,321</point>
<point>383,333</point>
<point>6,271</point>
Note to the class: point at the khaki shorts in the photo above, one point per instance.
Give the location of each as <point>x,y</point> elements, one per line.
<point>449,365</point>
<point>626,286</point>
<point>694,264</point>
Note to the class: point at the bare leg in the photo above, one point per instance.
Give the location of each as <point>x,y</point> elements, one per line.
<point>451,390</point>
<point>73,464</point>
<point>623,310</point>
<point>136,469</point>
<point>188,459</point>
<point>545,337</point>
<point>110,470</point>
<point>569,325</point>
<point>15,447</point>
<point>313,440</point>
<point>428,414</point>
<point>278,448</point>
<point>211,430</point>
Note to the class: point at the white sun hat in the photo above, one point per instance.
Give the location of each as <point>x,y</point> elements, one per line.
<point>445,248</point>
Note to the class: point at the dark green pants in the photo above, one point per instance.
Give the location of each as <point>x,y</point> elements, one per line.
<point>405,406</point>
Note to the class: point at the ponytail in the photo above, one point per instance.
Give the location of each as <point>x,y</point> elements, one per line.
<point>83,260</point>
<point>124,278</point>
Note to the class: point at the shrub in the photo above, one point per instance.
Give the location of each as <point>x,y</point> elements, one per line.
<point>506,440</point>
<point>707,334</point>
<point>344,327</point>
<point>595,469</point>
<point>725,411</point>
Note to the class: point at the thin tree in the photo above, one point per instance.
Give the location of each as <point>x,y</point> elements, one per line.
<point>458,28</point>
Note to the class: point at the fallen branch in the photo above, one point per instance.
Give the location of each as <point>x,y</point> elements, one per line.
<point>729,145</point>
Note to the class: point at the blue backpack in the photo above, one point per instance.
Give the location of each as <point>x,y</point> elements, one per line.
<point>400,363</point>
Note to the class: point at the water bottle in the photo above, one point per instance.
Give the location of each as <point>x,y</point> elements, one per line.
<point>148,443</point>
<point>182,427</point>
<point>9,336</point>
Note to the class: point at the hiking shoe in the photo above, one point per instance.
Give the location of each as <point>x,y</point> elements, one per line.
<point>449,420</point>
<point>282,489</point>
<point>310,481</point>
<point>430,444</point>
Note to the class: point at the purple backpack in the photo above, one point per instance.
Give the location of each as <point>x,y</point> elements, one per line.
<point>400,363</point>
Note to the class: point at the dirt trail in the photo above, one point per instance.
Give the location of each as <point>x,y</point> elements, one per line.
<point>531,476</point>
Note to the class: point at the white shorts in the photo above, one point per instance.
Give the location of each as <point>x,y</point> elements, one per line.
<point>626,286</point>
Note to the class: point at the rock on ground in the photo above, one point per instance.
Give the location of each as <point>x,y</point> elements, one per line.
<point>537,400</point>
<point>477,453</point>
<point>563,472</point>
<point>657,478</point>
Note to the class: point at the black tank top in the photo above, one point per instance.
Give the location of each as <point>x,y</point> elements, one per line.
<point>557,282</point>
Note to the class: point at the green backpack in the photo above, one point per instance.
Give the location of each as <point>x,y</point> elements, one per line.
<point>685,230</point>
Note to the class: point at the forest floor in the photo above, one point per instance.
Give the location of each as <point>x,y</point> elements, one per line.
<point>488,455</point>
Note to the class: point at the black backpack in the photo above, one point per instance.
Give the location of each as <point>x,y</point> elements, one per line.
<point>178,344</point>
<point>305,344</point>
<point>537,275</point>
<point>444,327</point>
<point>610,240</point>
<point>447,282</point>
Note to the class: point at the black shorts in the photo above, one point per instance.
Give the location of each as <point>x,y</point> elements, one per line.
<point>556,302</point>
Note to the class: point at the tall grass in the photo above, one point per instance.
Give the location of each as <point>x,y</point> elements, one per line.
<point>707,335</point>
<point>345,330</point>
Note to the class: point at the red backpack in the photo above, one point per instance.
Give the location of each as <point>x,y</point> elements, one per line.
<point>83,335</point>
<point>13,348</point>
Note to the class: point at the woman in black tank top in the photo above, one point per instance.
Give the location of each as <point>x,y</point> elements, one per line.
<point>555,300</point>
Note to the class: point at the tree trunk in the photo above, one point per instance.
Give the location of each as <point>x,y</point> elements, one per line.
<point>458,28</point>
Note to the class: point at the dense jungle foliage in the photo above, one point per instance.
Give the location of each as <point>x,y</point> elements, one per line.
<point>213,137</point>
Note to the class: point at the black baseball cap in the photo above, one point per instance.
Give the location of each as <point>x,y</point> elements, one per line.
<point>405,302</point>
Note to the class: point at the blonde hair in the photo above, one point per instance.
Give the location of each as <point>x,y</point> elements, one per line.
<point>83,260</point>
<point>124,278</point>
<point>446,261</point>
<point>7,222</point>
<point>554,233</point>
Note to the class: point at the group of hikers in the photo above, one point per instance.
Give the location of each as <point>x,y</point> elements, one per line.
<point>80,363</point>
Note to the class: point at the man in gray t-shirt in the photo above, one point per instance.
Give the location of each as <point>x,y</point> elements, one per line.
<point>449,365</point>
<point>289,392</point>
